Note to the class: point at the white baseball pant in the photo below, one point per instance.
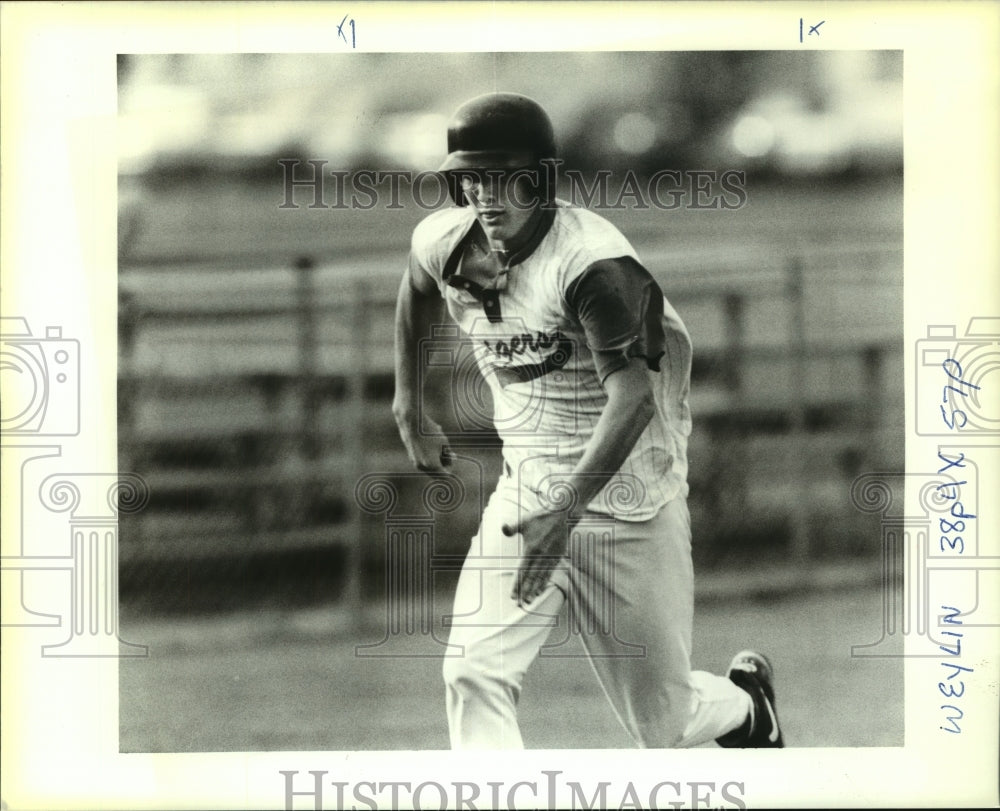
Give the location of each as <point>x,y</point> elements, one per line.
<point>631,597</point>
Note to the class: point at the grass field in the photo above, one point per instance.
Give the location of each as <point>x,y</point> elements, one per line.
<point>290,681</point>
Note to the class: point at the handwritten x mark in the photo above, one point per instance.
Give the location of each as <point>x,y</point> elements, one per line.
<point>340,28</point>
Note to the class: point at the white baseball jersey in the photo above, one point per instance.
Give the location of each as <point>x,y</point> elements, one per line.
<point>546,326</point>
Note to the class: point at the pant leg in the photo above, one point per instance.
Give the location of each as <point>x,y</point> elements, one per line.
<point>637,590</point>
<point>499,639</point>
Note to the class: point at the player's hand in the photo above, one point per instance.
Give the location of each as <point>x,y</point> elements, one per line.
<point>544,536</point>
<point>427,446</point>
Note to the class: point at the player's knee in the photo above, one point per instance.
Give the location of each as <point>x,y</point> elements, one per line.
<point>665,734</point>
<point>472,674</point>
<point>660,727</point>
<point>462,673</point>
<point>673,734</point>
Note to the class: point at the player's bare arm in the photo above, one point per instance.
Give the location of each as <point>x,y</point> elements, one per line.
<point>418,307</point>
<point>628,411</point>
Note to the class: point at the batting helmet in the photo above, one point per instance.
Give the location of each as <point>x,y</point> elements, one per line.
<point>498,131</point>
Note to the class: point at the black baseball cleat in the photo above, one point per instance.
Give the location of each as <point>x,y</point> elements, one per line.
<point>751,672</point>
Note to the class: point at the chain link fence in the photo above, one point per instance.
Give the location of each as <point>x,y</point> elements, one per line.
<point>254,403</point>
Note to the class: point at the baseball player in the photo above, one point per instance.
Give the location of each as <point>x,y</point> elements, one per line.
<point>589,370</point>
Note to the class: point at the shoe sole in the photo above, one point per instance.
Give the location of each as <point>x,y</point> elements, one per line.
<point>763,680</point>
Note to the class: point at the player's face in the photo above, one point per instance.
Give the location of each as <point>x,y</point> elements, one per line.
<point>504,201</point>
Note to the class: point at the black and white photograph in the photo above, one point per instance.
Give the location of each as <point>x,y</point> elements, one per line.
<point>563,461</point>
<point>471,406</point>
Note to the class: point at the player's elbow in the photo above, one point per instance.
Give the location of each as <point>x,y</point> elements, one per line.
<point>633,407</point>
<point>645,406</point>
<point>640,405</point>
<point>630,393</point>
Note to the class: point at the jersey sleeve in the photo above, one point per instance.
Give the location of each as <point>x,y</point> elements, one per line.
<point>433,241</point>
<point>421,278</point>
<point>423,264</point>
<point>620,308</point>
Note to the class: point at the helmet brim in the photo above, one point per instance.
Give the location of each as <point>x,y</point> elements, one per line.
<point>485,159</point>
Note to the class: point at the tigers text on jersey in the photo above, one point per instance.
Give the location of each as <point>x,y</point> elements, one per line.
<point>545,327</point>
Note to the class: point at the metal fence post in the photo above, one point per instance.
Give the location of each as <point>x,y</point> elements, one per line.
<point>735,361</point>
<point>127,326</point>
<point>354,449</point>
<point>798,469</point>
<point>735,308</point>
<point>308,355</point>
<point>300,451</point>
<point>128,390</point>
<point>871,419</point>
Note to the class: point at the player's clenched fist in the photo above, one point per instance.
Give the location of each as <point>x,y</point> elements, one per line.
<point>426,444</point>
<point>544,536</point>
